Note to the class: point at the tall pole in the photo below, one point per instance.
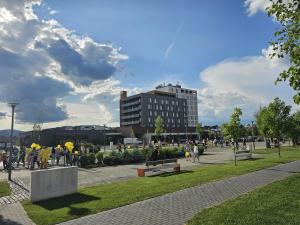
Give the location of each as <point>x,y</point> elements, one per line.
<point>252,122</point>
<point>13,105</point>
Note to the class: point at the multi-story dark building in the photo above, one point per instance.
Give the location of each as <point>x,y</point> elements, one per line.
<point>140,111</point>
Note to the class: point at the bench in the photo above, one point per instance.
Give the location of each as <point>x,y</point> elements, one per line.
<point>243,154</point>
<point>164,164</point>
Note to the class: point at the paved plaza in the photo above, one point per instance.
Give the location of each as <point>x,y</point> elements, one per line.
<point>100,175</point>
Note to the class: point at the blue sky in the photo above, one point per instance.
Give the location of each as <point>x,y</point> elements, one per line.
<point>204,33</point>
<point>66,61</point>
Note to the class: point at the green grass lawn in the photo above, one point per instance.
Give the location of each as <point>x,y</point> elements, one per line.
<point>4,189</point>
<point>103,197</point>
<point>275,204</point>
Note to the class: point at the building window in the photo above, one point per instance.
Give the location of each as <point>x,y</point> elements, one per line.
<point>150,100</point>
<point>162,101</point>
<point>160,107</point>
<point>150,113</point>
<point>155,101</point>
<point>155,113</point>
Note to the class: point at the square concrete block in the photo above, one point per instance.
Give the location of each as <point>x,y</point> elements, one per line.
<point>51,183</point>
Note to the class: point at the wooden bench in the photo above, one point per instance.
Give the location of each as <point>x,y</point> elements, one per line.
<point>164,164</point>
<point>243,154</point>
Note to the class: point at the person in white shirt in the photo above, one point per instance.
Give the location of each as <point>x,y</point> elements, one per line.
<point>196,153</point>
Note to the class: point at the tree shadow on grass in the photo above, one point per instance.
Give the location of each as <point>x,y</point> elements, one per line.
<point>66,201</point>
<point>79,211</point>
<point>8,222</point>
<point>168,174</point>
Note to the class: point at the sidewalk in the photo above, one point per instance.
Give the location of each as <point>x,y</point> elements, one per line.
<point>178,207</point>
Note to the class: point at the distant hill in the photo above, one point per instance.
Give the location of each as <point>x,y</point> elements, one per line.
<point>6,133</point>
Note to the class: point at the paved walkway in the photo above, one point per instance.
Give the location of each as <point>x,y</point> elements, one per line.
<point>11,210</point>
<point>178,207</point>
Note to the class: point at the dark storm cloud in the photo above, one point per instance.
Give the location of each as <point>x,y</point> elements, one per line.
<point>75,65</point>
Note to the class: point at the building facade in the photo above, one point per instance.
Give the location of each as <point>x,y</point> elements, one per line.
<point>98,135</point>
<point>189,95</point>
<point>141,110</point>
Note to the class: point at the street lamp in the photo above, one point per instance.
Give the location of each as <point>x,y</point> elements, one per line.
<point>13,106</point>
<point>252,122</point>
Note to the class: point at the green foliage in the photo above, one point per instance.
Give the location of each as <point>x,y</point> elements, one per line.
<point>159,128</point>
<point>4,189</point>
<point>87,160</point>
<point>199,130</point>
<point>293,127</point>
<point>233,129</point>
<point>200,150</point>
<point>273,120</point>
<point>287,43</point>
<point>99,157</point>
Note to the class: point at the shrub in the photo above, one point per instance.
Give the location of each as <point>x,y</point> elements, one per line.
<point>137,156</point>
<point>91,158</point>
<point>99,157</point>
<point>200,150</point>
<point>87,160</point>
<point>83,160</point>
<point>108,161</point>
<point>127,157</point>
<point>116,157</point>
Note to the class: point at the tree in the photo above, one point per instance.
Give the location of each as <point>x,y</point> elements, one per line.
<point>293,128</point>
<point>233,129</point>
<point>262,122</point>
<point>199,130</point>
<point>287,43</point>
<point>159,129</point>
<point>273,120</point>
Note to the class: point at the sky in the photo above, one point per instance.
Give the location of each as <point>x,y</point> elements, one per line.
<point>66,62</point>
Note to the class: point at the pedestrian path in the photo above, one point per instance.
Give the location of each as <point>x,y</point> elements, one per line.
<point>11,210</point>
<point>18,192</point>
<point>178,207</point>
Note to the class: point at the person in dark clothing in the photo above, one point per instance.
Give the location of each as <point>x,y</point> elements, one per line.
<point>155,154</point>
<point>22,155</point>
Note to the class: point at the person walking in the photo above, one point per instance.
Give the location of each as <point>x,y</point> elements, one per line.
<point>196,153</point>
<point>22,155</point>
<point>4,160</point>
<point>155,153</point>
<point>57,155</point>
<point>53,156</point>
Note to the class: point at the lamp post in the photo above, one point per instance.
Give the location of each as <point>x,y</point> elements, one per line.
<point>13,106</point>
<point>252,132</point>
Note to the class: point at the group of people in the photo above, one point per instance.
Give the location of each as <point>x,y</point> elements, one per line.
<point>39,156</point>
<point>192,151</point>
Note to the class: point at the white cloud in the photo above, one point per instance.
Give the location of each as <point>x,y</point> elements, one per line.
<point>53,12</point>
<point>254,6</point>
<point>246,82</point>
<point>42,62</point>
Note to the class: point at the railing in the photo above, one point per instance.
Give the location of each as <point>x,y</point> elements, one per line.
<point>130,122</point>
<point>131,110</point>
<point>131,103</point>
<point>131,116</point>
